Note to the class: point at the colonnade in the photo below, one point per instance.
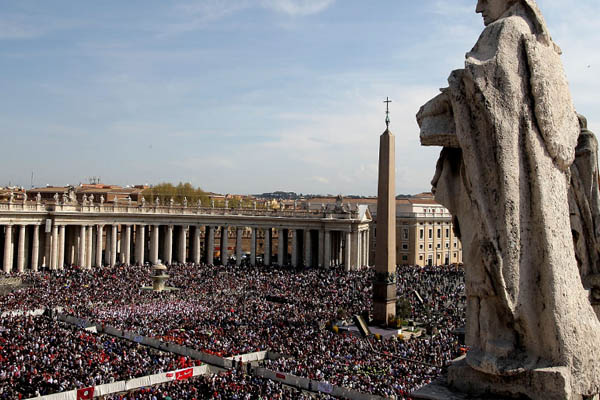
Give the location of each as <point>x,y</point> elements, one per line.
<point>57,245</point>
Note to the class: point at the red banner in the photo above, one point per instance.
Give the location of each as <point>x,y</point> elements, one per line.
<point>184,374</point>
<point>85,393</point>
<point>280,376</point>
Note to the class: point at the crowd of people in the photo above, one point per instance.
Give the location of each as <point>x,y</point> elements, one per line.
<point>228,310</point>
<point>39,356</point>
<point>230,385</point>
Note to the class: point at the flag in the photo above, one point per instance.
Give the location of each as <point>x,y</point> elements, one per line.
<point>184,374</point>
<point>85,393</point>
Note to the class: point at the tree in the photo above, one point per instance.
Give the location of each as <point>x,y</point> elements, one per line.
<point>167,191</point>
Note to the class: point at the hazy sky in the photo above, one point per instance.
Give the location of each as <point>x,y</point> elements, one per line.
<point>242,96</point>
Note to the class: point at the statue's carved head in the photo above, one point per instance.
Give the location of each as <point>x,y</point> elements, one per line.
<point>492,10</point>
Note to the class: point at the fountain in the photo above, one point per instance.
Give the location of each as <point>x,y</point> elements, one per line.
<point>159,279</point>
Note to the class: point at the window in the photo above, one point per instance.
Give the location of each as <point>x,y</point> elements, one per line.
<point>439,233</point>
<point>430,246</point>
<point>439,246</point>
<point>404,246</point>
<point>404,257</point>
<point>421,232</point>
<point>447,232</point>
<point>421,246</point>
<point>405,234</point>
<point>447,245</point>
<point>421,257</point>
<point>430,233</point>
<point>438,256</point>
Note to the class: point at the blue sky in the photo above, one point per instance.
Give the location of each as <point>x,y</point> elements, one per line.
<point>242,96</point>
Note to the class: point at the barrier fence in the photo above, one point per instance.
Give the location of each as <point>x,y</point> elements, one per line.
<point>125,386</point>
<point>212,360</point>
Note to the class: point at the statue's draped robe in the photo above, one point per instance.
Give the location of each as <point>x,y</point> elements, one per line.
<point>506,184</point>
<point>584,204</point>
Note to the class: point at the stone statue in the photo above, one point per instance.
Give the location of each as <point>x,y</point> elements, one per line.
<point>129,201</point>
<point>65,198</point>
<point>199,203</point>
<point>55,198</point>
<point>295,204</point>
<point>24,197</point>
<point>254,204</point>
<point>171,202</point>
<point>11,197</point>
<point>185,201</point>
<point>212,203</point>
<point>226,203</point>
<point>102,200</point>
<point>157,201</point>
<point>91,199</point>
<point>584,209</point>
<point>509,132</point>
<point>38,197</point>
<point>84,200</point>
<point>281,206</point>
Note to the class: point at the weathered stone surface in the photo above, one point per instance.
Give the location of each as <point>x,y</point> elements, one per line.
<point>505,180</point>
<point>584,207</point>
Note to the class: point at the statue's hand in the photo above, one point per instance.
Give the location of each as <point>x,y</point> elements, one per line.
<point>436,121</point>
<point>440,104</point>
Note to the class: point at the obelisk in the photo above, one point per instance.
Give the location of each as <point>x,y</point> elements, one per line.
<point>384,284</point>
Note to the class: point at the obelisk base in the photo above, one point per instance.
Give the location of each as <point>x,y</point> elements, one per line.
<point>384,303</point>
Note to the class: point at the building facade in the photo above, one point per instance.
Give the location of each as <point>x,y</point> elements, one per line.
<point>424,229</point>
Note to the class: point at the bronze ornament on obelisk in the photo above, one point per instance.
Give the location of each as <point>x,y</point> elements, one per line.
<point>384,284</point>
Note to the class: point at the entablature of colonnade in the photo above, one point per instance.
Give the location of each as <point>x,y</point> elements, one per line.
<point>78,214</point>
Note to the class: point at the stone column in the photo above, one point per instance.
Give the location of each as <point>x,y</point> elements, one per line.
<point>182,247</point>
<point>140,244</point>
<point>210,245</point>
<point>238,246</point>
<point>54,251</point>
<point>47,248</point>
<point>307,248</point>
<point>348,250</point>
<point>366,248</point>
<point>113,246</point>
<point>169,245</point>
<point>21,249</point>
<point>35,251</point>
<point>90,244</point>
<point>253,247</point>
<point>267,246</point>
<point>99,234</point>
<point>108,246</point>
<point>224,245</point>
<point>196,245</point>
<point>294,260</point>
<point>280,244</point>
<point>327,250</point>
<point>126,245</point>
<point>82,247</point>
<point>8,249</point>
<point>321,250</point>
<point>154,244</point>
<point>62,231</point>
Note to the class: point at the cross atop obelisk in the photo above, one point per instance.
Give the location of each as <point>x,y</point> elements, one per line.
<point>384,285</point>
<point>387,112</point>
